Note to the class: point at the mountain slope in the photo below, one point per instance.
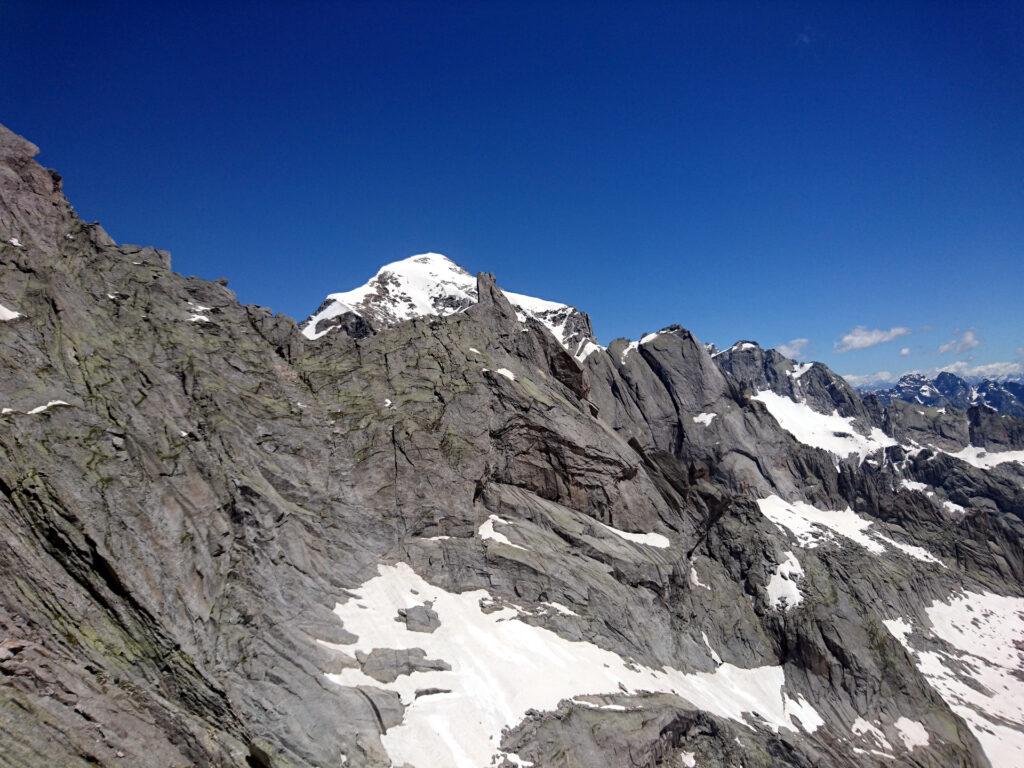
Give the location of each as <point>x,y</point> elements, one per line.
<point>448,541</point>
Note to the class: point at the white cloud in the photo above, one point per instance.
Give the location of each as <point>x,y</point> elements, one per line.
<point>1020,351</point>
<point>862,337</point>
<point>905,352</point>
<point>962,368</point>
<point>985,371</point>
<point>965,341</point>
<point>880,377</point>
<point>793,348</point>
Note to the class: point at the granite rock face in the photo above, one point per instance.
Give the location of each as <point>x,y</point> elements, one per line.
<point>450,541</point>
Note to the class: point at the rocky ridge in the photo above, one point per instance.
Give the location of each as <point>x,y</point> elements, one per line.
<point>448,540</point>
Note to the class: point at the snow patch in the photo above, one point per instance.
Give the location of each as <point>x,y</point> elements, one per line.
<point>782,588</point>
<point>705,418</point>
<point>649,539</point>
<point>949,506</point>
<point>515,759</point>
<point>47,407</point>
<point>813,526</point>
<point>831,432</point>
<point>862,727</point>
<point>799,370</point>
<point>198,313</point>
<point>652,336</point>
<point>918,553</point>
<point>912,733</point>
<point>953,508</point>
<point>8,314</point>
<point>501,667</point>
<point>634,345</point>
<point>899,628</point>
<point>982,459</point>
<point>604,707</point>
<point>714,654</point>
<point>506,373</point>
<point>486,531</point>
<point>587,348</point>
<point>560,608</point>
<point>913,485</point>
<point>15,242</point>
<point>975,662</point>
<point>695,579</point>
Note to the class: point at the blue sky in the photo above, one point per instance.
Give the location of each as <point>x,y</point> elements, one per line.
<point>771,171</point>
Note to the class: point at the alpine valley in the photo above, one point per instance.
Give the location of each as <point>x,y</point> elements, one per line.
<point>438,525</point>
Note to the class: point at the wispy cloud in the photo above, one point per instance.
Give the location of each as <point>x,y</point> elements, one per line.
<point>965,341</point>
<point>793,348</point>
<point>999,370</point>
<point>863,337</point>
<point>880,377</point>
<point>808,37</point>
<point>984,371</point>
<point>905,352</point>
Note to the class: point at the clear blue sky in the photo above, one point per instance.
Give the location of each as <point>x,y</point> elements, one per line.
<point>771,171</point>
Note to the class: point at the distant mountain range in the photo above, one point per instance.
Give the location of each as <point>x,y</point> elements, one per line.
<point>947,390</point>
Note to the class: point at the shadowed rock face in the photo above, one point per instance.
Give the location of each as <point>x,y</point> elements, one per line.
<point>188,488</point>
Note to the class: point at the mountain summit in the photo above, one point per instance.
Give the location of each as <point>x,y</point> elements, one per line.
<point>432,284</point>
<point>426,530</point>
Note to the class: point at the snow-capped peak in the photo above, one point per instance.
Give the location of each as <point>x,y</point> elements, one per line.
<point>432,284</point>
<point>425,284</point>
<point>740,346</point>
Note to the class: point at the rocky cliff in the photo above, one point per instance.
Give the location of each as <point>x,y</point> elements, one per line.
<point>450,539</point>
